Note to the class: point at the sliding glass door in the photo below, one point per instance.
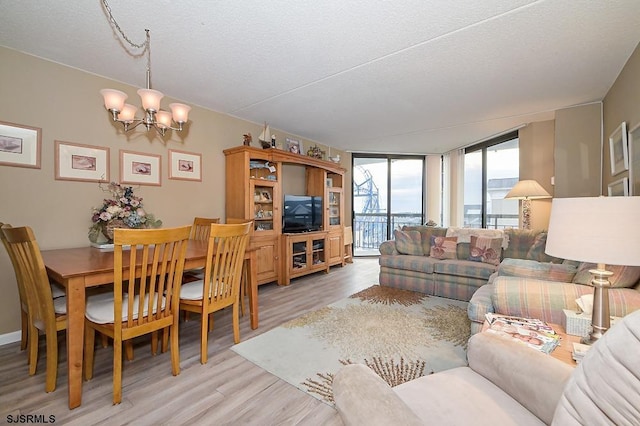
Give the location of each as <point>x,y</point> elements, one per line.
<point>387,193</point>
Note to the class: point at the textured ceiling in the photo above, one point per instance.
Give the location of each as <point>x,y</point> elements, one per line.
<point>415,76</point>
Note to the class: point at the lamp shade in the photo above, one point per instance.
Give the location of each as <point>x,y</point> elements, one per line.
<point>150,99</point>
<point>527,189</point>
<point>595,229</point>
<point>113,99</point>
<point>180,112</point>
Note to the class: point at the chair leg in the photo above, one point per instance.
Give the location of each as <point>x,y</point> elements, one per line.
<point>25,330</point>
<point>89,341</point>
<point>105,340</point>
<point>52,360</point>
<point>210,322</point>
<point>154,342</point>
<point>128,350</point>
<point>117,370</point>
<point>33,349</point>
<point>165,340</point>
<point>236,324</point>
<point>175,350</point>
<point>244,282</point>
<point>204,338</point>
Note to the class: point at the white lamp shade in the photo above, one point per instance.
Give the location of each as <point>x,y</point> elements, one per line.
<point>150,99</point>
<point>595,229</point>
<point>128,113</point>
<point>180,112</point>
<point>527,189</point>
<point>113,99</point>
<point>164,119</point>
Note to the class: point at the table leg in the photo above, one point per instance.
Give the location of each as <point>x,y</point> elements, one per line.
<point>252,274</point>
<point>75,338</point>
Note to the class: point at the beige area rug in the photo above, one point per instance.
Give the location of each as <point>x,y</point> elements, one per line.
<point>400,334</point>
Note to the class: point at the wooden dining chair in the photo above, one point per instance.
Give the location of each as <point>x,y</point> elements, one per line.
<point>201,228</point>
<point>244,285</point>
<point>24,310</point>
<point>43,312</point>
<point>145,299</point>
<point>220,287</point>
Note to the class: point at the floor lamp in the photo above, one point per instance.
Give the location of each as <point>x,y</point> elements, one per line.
<point>527,190</point>
<point>601,230</point>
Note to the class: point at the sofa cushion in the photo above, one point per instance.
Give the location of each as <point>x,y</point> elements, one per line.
<point>623,276</point>
<point>409,263</point>
<point>485,249</point>
<point>464,268</point>
<point>426,232</point>
<point>443,247</point>
<point>539,270</point>
<point>520,242</point>
<point>536,252</point>
<point>408,242</point>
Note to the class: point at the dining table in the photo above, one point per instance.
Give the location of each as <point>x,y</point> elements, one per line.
<point>78,269</point>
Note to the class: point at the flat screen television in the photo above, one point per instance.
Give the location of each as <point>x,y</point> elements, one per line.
<point>301,213</point>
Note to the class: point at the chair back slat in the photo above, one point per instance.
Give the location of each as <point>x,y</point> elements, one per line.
<point>150,272</point>
<point>223,270</point>
<point>201,228</point>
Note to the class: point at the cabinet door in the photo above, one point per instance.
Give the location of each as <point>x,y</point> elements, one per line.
<point>265,207</point>
<point>335,249</point>
<point>335,207</point>
<point>267,260</point>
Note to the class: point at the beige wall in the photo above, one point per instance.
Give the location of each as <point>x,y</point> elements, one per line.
<point>65,103</point>
<point>622,103</point>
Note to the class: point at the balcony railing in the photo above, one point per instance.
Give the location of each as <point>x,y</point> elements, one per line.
<point>370,229</point>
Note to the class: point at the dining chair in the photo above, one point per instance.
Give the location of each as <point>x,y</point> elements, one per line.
<point>221,284</point>
<point>43,311</point>
<point>201,228</point>
<point>244,285</point>
<point>145,299</point>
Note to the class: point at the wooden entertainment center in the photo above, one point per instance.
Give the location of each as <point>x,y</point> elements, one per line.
<point>254,191</point>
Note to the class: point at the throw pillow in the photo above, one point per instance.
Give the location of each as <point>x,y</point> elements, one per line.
<point>536,252</point>
<point>443,247</point>
<point>623,276</point>
<point>408,242</point>
<point>485,249</point>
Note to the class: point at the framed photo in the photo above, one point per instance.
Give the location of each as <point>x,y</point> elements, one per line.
<point>618,149</point>
<point>294,146</point>
<point>80,162</point>
<point>140,168</point>
<point>20,145</point>
<point>619,188</point>
<point>185,165</point>
<point>634,160</point>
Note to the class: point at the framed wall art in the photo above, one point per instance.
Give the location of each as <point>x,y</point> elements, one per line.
<point>20,145</point>
<point>618,149</point>
<point>294,146</point>
<point>634,160</point>
<point>619,188</point>
<point>185,165</point>
<point>140,168</point>
<point>80,162</point>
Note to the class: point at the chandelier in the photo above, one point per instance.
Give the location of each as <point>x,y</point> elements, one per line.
<point>154,117</point>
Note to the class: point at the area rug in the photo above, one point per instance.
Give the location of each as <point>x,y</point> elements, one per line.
<point>400,334</point>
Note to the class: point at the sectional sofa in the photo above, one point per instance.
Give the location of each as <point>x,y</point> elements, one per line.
<point>502,271</point>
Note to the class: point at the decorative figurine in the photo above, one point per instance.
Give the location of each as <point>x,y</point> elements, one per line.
<point>247,139</point>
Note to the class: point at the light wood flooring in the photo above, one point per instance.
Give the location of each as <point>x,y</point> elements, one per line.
<point>228,390</point>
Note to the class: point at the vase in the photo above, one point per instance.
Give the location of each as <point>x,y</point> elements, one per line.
<point>107,230</point>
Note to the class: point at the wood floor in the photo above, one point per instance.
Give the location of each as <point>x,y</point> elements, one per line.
<point>228,390</point>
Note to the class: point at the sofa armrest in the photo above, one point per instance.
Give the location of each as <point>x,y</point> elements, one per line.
<point>363,398</point>
<point>534,379</point>
<point>388,247</point>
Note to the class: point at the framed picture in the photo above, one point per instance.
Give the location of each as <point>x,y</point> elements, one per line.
<point>20,145</point>
<point>294,146</point>
<point>185,165</point>
<point>140,168</point>
<point>634,160</point>
<point>80,162</point>
<point>618,149</point>
<point>619,188</point>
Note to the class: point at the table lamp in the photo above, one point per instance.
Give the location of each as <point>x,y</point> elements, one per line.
<point>601,230</point>
<point>527,190</point>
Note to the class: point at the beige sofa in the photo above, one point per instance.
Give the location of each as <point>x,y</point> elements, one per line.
<point>506,384</point>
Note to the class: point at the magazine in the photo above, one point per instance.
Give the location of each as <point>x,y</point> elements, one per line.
<point>532,332</point>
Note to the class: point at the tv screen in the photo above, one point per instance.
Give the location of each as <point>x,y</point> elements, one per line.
<point>301,213</point>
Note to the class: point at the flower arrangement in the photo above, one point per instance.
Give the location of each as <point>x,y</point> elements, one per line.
<point>122,210</point>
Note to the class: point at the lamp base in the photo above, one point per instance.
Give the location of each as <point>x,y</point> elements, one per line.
<point>600,319</point>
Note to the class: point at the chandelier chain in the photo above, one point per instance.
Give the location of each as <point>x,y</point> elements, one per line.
<point>113,20</point>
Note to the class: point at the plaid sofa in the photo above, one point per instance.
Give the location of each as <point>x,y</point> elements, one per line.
<point>457,278</point>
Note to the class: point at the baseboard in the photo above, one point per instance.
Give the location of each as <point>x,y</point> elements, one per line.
<point>7,338</point>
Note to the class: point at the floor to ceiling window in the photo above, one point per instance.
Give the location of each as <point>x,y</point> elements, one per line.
<point>491,169</point>
<point>387,193</point>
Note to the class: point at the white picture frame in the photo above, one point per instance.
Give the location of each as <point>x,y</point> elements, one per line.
<point>619,188</point>
<point>80,162</point>
<point>20,145</point>
<point>618,149</point>
<point>140,168</point>
<point>185,165</point>
<point>634,160</point>
<point>294,146</point>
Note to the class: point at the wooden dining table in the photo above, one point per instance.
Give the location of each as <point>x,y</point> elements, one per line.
<point>84,267</point>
